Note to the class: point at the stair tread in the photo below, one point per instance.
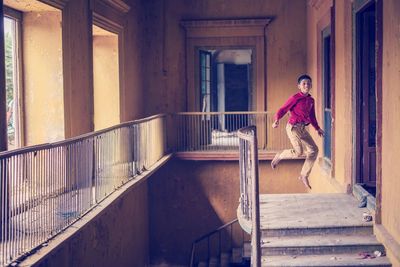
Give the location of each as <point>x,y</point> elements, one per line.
<point>324,260</point>
<point>288,211</point>
<point>319,240</point>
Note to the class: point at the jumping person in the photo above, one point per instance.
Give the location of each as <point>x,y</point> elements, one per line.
<point>302,113</point>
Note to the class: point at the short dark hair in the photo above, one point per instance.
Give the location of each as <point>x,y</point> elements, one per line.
<point>302,77</point>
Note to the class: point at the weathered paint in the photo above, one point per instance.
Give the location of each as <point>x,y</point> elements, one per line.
<point>78,72</point>
<point>115,236</point>
<point>318,16</point>
<point>391,118</point>
<point>343,111</point>
<point>43,77</point>
<point>105,81</point>
<point>165,47</point>
<point>191,198</point>
<point>342,180</point>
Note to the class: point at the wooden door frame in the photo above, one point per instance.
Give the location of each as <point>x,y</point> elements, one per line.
<point>327,20</point>
<point>358,6</point>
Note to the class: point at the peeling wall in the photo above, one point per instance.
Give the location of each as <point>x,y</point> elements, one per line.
<point>165,47</point>
<point>189,199</point>
<point>43,77</point>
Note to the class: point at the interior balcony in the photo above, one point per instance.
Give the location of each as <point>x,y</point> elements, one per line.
<point>56,196</point>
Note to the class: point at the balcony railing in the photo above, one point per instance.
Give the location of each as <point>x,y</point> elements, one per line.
<point>217,131</point>
<point>45,188</point>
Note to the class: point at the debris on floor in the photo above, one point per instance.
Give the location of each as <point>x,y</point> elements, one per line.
<point>363,202</point>
<point>367,217</point>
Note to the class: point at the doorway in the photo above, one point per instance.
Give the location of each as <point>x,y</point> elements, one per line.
<point>366,117</point>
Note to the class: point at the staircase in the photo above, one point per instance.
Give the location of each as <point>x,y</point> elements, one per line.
<point>317,230</point>
<point>236,258</point>
<point>226,246</point>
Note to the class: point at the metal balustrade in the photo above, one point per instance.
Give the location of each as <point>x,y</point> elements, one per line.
<point>45,188</point>
<point>217,131</point>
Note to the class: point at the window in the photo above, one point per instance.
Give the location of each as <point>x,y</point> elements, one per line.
<point>12,24</point>
<point>205,80</point>
<point>35,95</point>
<point>326,89</point>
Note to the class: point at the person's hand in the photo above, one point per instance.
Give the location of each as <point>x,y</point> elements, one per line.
<point>275,124</point>
<point>321,132</point>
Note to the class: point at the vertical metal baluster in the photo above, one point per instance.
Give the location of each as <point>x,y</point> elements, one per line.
<point>15,198</point>
<point>2,219</point>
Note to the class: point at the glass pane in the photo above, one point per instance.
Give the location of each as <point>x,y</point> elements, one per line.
<point>208,60</point>
<point>328,133</point>
<point>11,81</point>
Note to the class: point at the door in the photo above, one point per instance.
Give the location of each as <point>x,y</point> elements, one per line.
<point>366,87</point>
<point>236,93</point>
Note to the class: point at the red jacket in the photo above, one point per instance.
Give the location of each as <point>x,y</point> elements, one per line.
<point>301,109</point>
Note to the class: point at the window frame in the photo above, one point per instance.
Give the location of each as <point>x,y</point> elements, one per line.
<point>18,17</point>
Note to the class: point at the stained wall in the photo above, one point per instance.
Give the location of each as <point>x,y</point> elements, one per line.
<point>391,116</point>
<point>165,47</point>
<point>43,77</point>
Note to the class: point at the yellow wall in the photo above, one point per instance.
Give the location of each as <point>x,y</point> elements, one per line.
<point>344,111</point>
<point>106,81</point>
<point>43,77</point>
<point>316,12</point>
<point>165,88</point>
<point>343,93</point>
<point>391,118</point>
<point>79,106</point>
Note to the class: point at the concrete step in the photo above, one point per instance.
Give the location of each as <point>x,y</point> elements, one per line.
<point>320,244</point>
<point>348,260</point>
<point>360,230</point>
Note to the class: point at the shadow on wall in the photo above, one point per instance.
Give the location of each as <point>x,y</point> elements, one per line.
<point>189,199</point>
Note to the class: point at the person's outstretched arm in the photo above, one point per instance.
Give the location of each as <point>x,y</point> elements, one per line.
<point>283,110</point>
<point>314,122</point>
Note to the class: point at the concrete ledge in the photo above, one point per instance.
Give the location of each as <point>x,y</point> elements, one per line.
<point>391,245</point>
<point>39,255</point>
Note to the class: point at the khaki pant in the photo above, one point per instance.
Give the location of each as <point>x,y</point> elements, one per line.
<point>300,138</point>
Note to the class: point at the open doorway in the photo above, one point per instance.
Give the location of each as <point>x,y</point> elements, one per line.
<point>366,118</point>
<point>225,86</point>
<point>226,83</point>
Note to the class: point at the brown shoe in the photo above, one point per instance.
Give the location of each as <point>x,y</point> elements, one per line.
<point>276,160</point>
<point>304,179</point>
